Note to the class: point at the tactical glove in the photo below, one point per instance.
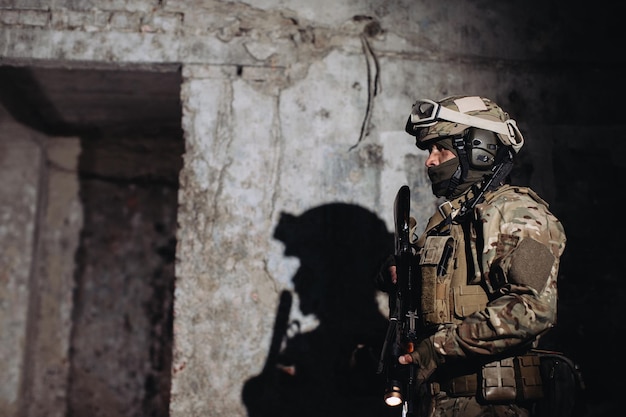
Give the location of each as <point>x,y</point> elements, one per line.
<point>384,280</point>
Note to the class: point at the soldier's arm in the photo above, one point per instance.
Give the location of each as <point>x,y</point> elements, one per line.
<point>522,246</point>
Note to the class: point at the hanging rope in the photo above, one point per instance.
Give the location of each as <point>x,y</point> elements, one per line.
<point>373,81</point>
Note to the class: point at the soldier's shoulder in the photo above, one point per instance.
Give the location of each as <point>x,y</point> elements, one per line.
<point>510,193</point>
<point>513,202</point>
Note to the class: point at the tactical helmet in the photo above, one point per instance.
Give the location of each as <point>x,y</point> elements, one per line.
<point>430,121</point>
<point>477,130</point>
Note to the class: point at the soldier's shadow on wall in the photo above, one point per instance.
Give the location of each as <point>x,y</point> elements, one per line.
<point>330,370</point>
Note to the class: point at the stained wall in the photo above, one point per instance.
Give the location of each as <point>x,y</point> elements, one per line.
<point>289,108</point>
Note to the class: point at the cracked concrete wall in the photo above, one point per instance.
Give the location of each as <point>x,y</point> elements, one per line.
<point>51,296</point>
<point>40,236</point>
<point>21,160</point>
<point>290,105</point>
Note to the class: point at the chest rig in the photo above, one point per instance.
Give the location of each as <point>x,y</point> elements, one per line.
<point>450,273</point>
<point>449,264</point>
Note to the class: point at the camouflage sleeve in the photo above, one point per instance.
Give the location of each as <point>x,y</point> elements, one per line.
<point>522,244</point>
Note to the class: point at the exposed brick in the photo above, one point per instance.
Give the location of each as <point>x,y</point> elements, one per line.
<point>209,71</point>
<point>201,22</point>
<point>105,5</point>
<point>101,18</point>
<point>163,23</point>
<point>125,21</point>
<point>262,73</point>
<point>9,17</point>
<point>24,4</point>
<point>129,6</point>
<point>34,18</point>
<point>70,19</point>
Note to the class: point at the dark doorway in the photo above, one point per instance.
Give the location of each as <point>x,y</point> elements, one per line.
<point>128,124</point>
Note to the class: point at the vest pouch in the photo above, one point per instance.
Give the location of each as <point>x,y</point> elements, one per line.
<point>511,380</point>
<point>468,299</point>
<point>436,261</point>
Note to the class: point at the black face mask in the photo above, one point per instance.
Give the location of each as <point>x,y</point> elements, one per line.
<point>440,176</point>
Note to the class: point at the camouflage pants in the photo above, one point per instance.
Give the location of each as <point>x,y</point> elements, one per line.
<point>444,406</point>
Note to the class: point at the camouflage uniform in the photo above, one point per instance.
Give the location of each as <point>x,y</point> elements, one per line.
<point>501,292</point>
<point>497,293</point>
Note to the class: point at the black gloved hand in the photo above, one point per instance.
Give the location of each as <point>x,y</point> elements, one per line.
<point>425,357</point>
<point>384,279</point>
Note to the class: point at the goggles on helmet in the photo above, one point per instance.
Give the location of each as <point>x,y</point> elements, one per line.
<point>426,113</point>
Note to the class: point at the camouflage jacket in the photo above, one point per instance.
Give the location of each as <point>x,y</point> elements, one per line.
<point>500,290</point>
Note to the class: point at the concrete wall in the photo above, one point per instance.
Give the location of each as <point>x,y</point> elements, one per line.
<point>289,106</point>
<point>21,162</point>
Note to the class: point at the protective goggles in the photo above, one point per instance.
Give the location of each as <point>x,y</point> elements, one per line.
<point>426,113</point>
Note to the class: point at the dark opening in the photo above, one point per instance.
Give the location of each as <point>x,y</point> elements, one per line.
<point>129,126</point>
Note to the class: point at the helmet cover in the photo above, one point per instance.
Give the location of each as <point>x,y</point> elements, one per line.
<point>471,105</point>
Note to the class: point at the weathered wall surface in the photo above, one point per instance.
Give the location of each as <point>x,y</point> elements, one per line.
<point>289,106</point>
<point>21,158</point>
<point>51,300</point>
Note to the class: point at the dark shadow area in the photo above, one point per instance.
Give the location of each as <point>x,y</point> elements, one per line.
<point>90,102</point>
<point>331,370</point>
<point>122,334</point>
<point>592,288</point>
<point>591,285</point>
<point>128,125</point>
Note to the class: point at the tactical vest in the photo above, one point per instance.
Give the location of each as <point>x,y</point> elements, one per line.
<point>452,288</point>
<point>450,285</point>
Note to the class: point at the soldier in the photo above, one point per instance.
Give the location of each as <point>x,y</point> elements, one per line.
<point>486,301</point>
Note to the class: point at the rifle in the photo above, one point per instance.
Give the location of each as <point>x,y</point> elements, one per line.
<point>401,334</point>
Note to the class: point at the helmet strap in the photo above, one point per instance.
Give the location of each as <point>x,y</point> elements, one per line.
<point>458,142</point>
